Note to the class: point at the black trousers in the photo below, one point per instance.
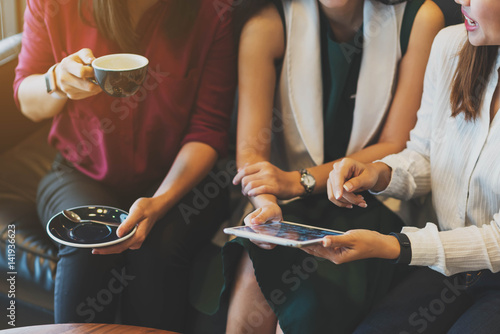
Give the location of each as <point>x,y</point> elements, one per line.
<point>428,302</point>
<point>146,287</point>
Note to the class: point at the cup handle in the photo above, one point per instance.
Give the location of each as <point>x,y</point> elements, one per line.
<point>93,80</point>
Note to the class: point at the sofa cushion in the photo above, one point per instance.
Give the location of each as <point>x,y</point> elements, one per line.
<point>23,166</point>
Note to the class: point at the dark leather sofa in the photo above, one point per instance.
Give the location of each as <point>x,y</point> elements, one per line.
<point>24,158</point>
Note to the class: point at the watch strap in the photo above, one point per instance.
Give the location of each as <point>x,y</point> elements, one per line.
<point>405,245</point>
<point>50,80</point>
<point>51,83</point>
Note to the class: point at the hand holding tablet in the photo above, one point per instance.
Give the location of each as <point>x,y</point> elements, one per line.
<point>282,233</point>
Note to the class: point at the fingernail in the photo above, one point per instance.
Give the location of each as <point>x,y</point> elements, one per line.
<point>349,207</point>
<point>95,252</point>
<point>338,194</point>
<point>327,242</point>
<point>347,186</point>
<point>363,205</point>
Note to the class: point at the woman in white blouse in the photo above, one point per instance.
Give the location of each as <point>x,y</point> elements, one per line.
<point>453,151</point>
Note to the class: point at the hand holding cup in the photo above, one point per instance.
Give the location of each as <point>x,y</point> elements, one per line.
<point>81,75</point>
<point>73,74</point>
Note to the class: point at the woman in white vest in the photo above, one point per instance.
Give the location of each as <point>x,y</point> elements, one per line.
<point>318,81</point>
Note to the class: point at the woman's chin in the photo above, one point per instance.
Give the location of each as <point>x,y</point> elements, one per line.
<point>480,40</point>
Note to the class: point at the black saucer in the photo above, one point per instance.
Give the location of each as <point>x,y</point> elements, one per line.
<point>88,235</point>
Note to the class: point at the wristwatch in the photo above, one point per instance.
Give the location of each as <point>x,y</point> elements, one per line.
<point>50,80</point>
<point>405,244</point>
<point>51,84</point>
<point>307,181</point>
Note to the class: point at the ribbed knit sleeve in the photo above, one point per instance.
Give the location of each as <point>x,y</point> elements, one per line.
<point>463,249</point>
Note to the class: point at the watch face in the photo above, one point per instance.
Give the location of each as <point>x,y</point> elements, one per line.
<point>309,180</point>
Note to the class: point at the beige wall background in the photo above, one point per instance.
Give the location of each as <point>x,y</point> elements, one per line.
<point>11,17</point>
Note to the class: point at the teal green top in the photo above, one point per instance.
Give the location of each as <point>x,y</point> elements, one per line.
<point>341,63</point>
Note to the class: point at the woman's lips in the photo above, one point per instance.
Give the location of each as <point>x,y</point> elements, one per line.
<point>470,24</point>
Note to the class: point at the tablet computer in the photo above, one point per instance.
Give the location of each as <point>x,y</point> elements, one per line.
<point>282,233</point>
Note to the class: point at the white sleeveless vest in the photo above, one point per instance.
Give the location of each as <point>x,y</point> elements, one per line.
<point>298,127</point>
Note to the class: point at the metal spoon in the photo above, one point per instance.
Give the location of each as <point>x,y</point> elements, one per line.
<point>76,219</point>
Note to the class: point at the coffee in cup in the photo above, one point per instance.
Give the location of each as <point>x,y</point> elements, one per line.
<point>121,74</point>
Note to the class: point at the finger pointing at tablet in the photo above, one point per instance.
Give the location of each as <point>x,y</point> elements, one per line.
<point>270,212</point>
<point>267,212</point>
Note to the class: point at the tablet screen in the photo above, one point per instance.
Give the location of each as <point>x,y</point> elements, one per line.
<point>289,231</point>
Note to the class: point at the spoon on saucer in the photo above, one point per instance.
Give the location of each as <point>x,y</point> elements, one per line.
<point>76,219</point>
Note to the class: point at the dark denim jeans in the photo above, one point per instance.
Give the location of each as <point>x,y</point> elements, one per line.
<point>429,302</point>
<point>146,287</point>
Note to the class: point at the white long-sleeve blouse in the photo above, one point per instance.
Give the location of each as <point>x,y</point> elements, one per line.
<point>460,161</point>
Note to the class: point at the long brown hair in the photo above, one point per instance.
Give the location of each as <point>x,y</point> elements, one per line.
<point>112,19</point>
<point>475,64</point>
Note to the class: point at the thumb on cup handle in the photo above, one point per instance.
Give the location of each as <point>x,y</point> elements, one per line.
<point>93,80</point>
